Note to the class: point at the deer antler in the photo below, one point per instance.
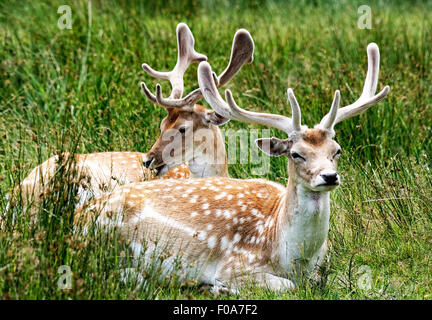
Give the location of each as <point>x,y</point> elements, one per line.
<point>231,110</point>
<point>368,97</point>
<point>186,55</point>
<point>241,53</point>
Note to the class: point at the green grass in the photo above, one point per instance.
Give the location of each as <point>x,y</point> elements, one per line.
<point>78,90</point>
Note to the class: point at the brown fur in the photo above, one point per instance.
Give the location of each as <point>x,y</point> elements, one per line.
<point>315,137</point>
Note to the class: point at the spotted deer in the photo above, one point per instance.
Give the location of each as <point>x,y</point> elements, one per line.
<point>231,232</point>
<point>97,173</point>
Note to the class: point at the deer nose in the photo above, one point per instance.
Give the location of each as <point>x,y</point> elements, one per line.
<point>330,178</point>
<point>148,162</point>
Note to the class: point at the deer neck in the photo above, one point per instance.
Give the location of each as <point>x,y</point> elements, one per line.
<point>303,225</point>
<point>213,162</point>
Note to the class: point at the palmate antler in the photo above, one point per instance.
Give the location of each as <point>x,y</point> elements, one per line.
<point>231,110</point>
<point>241,53</point>
<point>368,97</point>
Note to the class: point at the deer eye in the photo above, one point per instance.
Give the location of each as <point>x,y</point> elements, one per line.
<point>338,153</point>
<point>297,156</point>
<point>182,130</point>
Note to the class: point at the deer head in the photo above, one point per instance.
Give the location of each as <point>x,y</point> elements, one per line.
<point>312,153</point>
<point>189,132</point>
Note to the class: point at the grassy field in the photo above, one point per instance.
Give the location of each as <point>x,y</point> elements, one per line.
<point>78,90</point>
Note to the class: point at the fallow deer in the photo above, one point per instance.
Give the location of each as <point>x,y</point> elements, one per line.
<point>97,173</point>
<point>227,232</point>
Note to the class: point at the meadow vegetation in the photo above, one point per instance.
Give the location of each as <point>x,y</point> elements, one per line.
<point>78,91</point>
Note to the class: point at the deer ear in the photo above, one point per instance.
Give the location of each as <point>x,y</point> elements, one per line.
<point>215,118</point>
<point>274,146</point>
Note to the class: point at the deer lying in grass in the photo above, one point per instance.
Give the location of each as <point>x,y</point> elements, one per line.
<point>227,232</point>
<point>97,173</point>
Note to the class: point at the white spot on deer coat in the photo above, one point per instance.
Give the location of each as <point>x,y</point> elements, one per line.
<point>202,235</point>
<point>211,242</point>
<point>220,196</point>
<point>227,214</point>
<point>225,243</point>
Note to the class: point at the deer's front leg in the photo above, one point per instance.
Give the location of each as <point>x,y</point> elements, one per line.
<point>320,266</point>
<point>262,279</point>
<point>272,282</point>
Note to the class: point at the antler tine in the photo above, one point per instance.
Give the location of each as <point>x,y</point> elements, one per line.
<point>148,94</point>
<point>368,97</point>
<point>241,53</point>
<point>295,108</point>
<point>331,116</point>
<point>186,56</point>
<point>230,109</point>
